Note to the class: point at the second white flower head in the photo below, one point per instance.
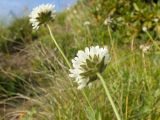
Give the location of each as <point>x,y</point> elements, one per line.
<point>87,63</point>
<point>41,15</point>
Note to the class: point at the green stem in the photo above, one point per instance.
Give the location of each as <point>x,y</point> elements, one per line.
<point>60,50</point>
<point>110,36</point>
<point>84,94</point>
<point>67,61</point>
<point>109,96</point>
<point>149,35</point>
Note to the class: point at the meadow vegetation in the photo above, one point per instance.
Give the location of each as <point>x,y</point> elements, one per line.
<point>34,81</point>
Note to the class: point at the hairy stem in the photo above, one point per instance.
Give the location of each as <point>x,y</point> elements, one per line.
<point>109,96</point>
<point>60,50</point>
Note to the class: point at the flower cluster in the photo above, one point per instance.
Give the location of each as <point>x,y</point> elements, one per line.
<point>41,15</point>
<point>87,63</point>
<point>86,23</point>
<point>145,47</point>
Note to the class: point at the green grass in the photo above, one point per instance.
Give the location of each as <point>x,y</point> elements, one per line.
<point>39,86</point>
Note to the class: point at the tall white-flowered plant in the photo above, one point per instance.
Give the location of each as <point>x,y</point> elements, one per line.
<point>88,63</point>
<point>41,15</point>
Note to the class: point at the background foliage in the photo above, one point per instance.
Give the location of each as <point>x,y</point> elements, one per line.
<point>34,80</point>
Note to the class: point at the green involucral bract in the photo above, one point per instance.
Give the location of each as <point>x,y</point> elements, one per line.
<point>91,67</point>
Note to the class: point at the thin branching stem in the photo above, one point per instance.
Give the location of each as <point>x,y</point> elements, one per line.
<point>109,96</point>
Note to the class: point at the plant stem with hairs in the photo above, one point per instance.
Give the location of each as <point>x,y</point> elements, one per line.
<point>109,96</point>
<point>60,50</point>
<point>68,63</point>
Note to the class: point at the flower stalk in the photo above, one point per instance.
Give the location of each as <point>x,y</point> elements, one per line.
<point>87,100</point>
<point>60,50</point>
<point>109,96</point>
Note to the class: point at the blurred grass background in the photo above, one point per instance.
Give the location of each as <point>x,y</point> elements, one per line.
<point>34,82</point>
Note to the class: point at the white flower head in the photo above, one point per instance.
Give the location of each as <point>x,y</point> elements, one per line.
<point>144,48</point>
<point>87,63</point>
<point>42,14</point>
<point>86,23</point>
<point>108,21</point>
<point>155,20</point>
<point>144,28</point>
<point>75,11</point>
